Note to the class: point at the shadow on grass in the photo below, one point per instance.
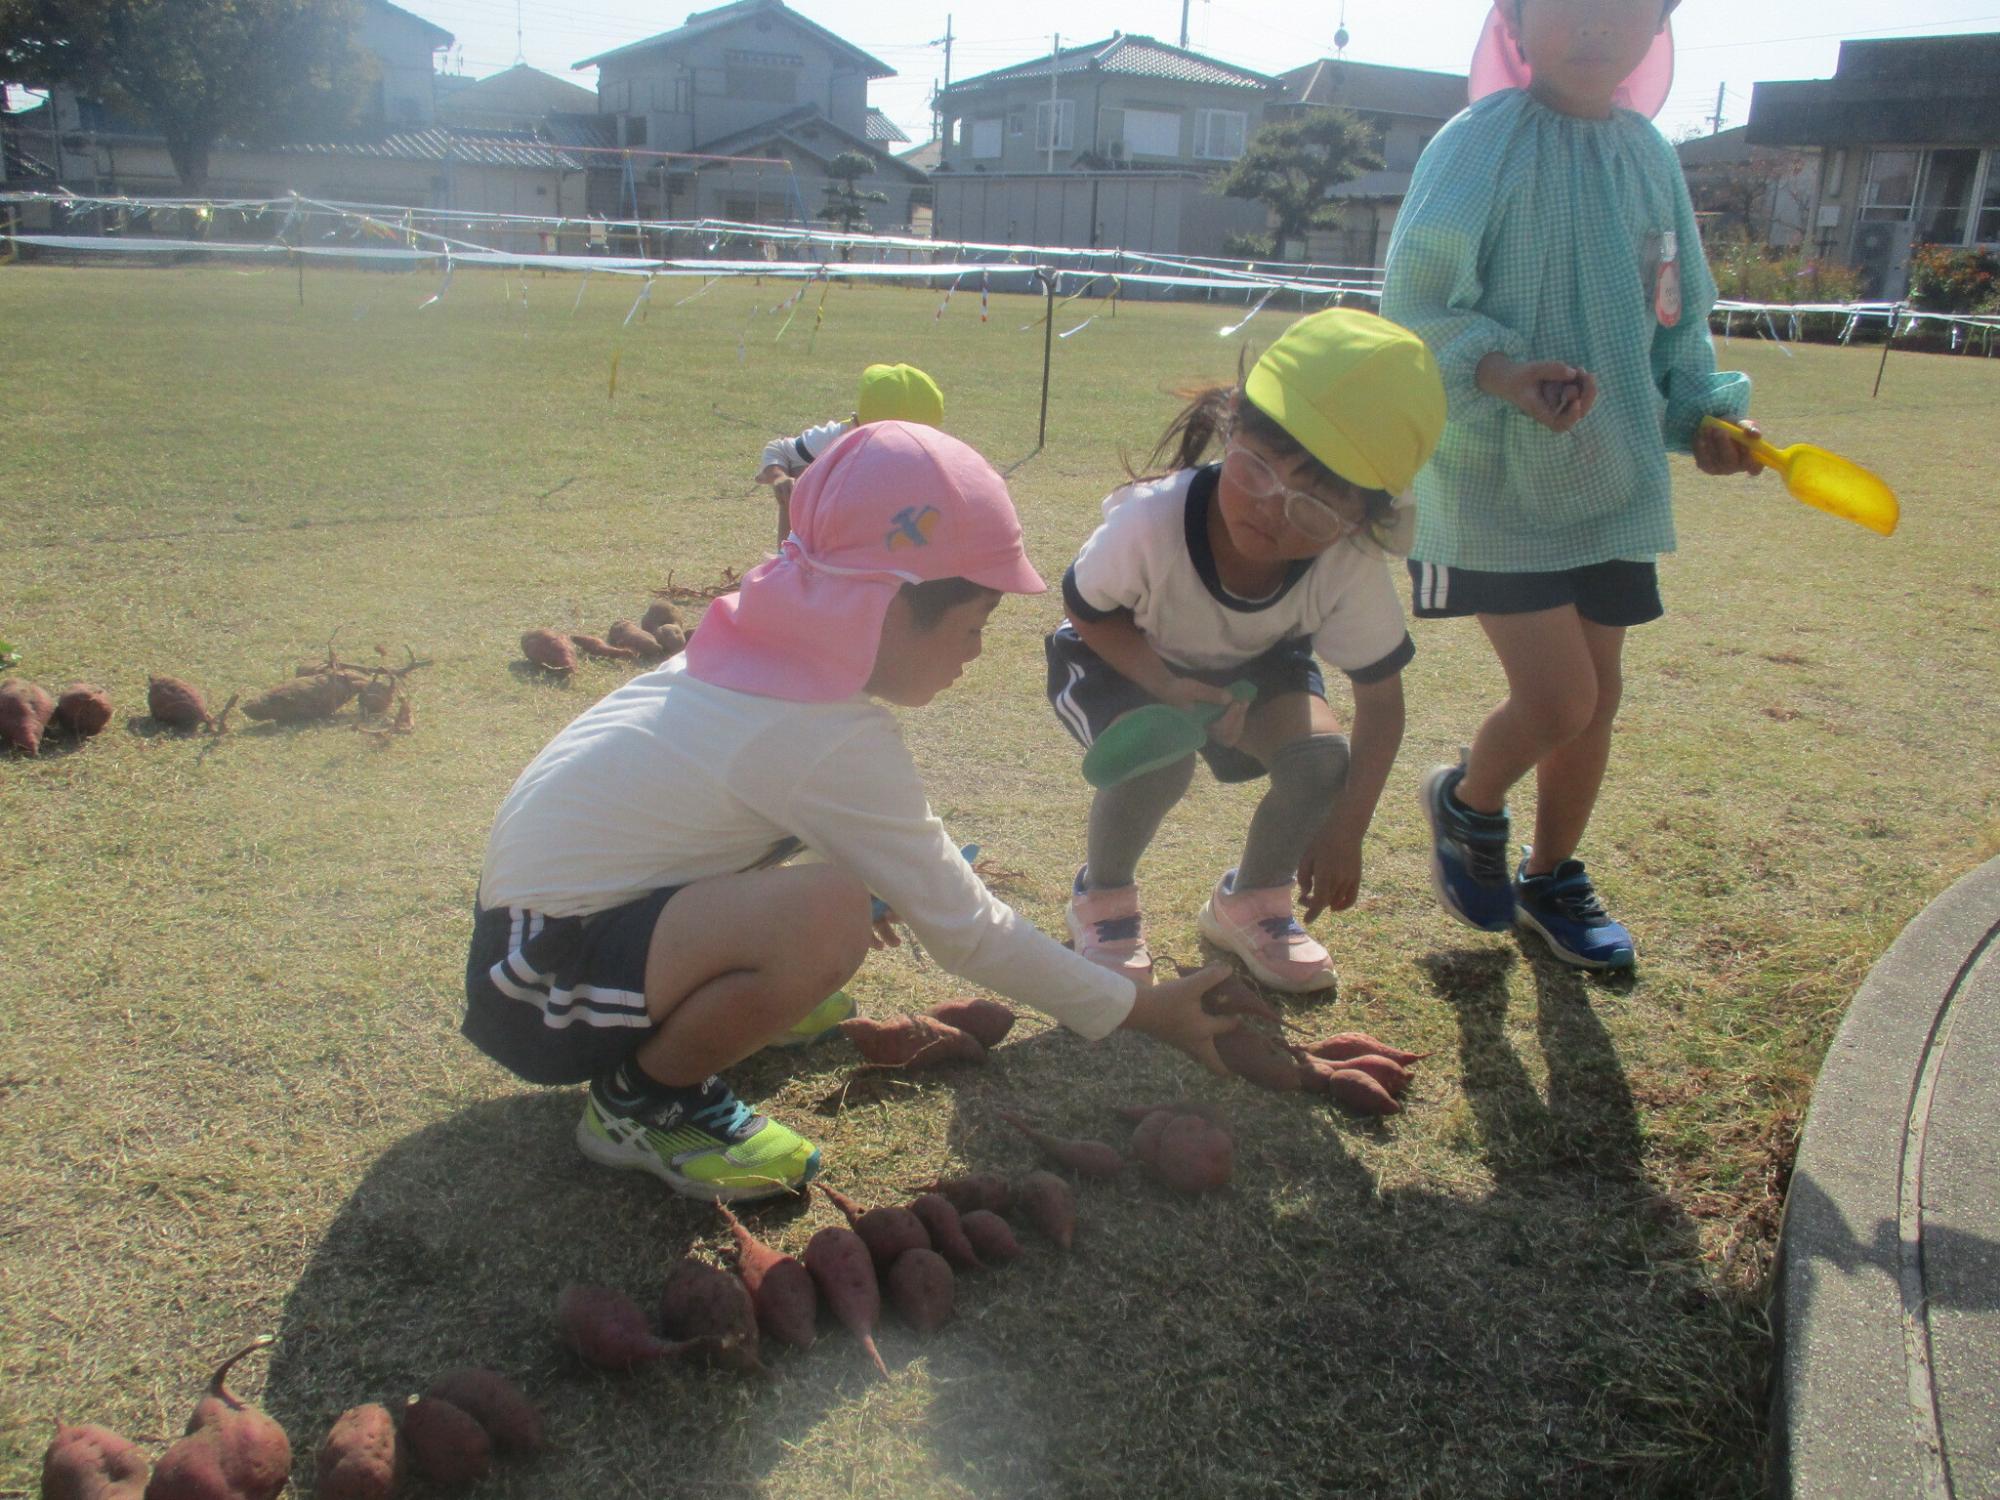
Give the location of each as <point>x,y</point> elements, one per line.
<point>1314,1330</point>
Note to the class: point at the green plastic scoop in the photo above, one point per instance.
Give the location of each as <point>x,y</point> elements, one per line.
<point>1154,736</point>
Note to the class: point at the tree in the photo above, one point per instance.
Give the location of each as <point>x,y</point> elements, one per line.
<point>195,70</point>
<point>1291,165</point>
<point>845,203</point>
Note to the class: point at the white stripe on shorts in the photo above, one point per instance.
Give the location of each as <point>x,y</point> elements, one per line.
<point>1066,706</point>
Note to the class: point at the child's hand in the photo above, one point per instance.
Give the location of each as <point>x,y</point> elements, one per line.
<point>770,473</point>
<point>782,488</point>
<point>1172,1013</point>
<point>1555,394</point>
<point>1185,692</point>
<point>1716,452</point>
<point>882,931</point>
<point>1330,872</point>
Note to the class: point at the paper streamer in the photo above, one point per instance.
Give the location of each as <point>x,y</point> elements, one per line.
<point>985,293</point>
<point>1236,328</point>
<point>706,287</point>
<point>443,287</point>
<point>938,316</point>
<point>645,296</point>
<point>819,316</point>
<point>583,287</point>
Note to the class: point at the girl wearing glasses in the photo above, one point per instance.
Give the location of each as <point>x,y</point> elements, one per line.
<point>1547,252</point>
<point>1239,570</point>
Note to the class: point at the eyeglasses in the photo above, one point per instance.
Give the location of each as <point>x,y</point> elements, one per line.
<point>1305,513</point>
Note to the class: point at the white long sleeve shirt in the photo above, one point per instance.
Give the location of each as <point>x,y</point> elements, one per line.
<point>670,780</point>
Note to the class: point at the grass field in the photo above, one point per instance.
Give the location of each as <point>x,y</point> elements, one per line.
<point>234,1098</point>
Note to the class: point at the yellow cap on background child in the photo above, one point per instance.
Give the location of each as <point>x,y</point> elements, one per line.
<point>899,393</point>
<point>1359,393</point>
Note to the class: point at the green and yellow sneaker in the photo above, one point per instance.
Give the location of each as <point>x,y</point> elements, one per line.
<point>714,1148</point>
<point>829,1013</point>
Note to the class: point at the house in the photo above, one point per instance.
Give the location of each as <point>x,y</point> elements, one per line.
<point>1110,143</point>
<point>521,98</point>
<point>1908,131</point>
<point>753,79</point>
<point>1405,107</point>
<point>1740,191</point>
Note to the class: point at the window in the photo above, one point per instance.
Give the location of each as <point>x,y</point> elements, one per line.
<point>1946,203</point>
<point>985,139</point>
<point>635,130</point>
<point>1836,172</point>
<point>1988,228</point>
<point>1890,193</point>
<point>1219,133</point>
<point>1016,124</point>
<point>1055,124</point>
<point>1152,132</point>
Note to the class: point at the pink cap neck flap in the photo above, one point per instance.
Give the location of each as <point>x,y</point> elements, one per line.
<point>1497,64</point>
<point>888,504</point>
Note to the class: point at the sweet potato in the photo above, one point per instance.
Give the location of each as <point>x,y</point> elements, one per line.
<point>641,642</point>
<point>987,1021</point>
<point>1393,1076</point>
<point>1360,1093</point>
<point>25,711</point>
<point>192,1468</point>
<point>1259,1058</point>
<point>1194,1156</point>
<point>548,648</point>
<point>662,611</point>
<point>991,1236</point>
<point>1049,1204</point>
<point>300,700</point>
<point>921,1288</point>
<point>673,640</point>
<point>1146,1138</point>
<point>845,1275</point>
<point>361,1458</point>
<point>1234,997</point>
<point>83,709</point>
<point>591,645</point>
<point>446,1445</point>
<point>947,1234</point>
<point>703,1301</point>
<point>886,1231</point>
<point>88,1462</point>
<point>911,1042</point>
<point>1091,1158</point>
<point>605,1328</point>
<point>987,1190</point>
<point>179,705</point>
<point>377,696</point>
<point>1348,1044</point>
<point>493,1401</point>
<point>781,1288</point>
<point>254,1453</point>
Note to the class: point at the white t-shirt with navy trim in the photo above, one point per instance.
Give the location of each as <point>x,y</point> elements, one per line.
<point>1152,557</point>
<point>795,454</point>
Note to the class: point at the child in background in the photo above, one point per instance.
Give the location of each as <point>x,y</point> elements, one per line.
<point>637,928</point>
<point>1548,253</point>
<point>889,393</point>
<point>1212,573</point>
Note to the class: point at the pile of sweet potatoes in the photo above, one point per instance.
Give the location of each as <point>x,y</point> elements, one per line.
<point>657,635</point>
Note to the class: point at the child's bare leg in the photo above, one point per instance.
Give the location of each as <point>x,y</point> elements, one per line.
<point>1551,699</point>
<point>1568,778</point>
<point>737,960</point>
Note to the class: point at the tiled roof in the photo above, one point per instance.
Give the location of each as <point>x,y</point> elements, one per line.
<point>1377,89</point>
<point>1128,57</point>
<point>723,15</point>
<point>883,131</point>
<point>811,134</point>
<point>569,128</point>
<point>485,148</point>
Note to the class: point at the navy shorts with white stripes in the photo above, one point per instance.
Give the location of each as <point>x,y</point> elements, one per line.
<point>1088,693</point>
<point>1618,594</point>
<point>560,1000</point>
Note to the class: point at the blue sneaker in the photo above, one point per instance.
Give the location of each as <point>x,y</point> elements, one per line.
<point>1468,855</point>
<point>1562,906</point>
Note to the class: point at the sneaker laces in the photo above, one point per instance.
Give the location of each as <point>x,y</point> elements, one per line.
<point>1281,927</point>
<point>1579,902</point>
<point>1118,929</point>
<point>727,1118</point>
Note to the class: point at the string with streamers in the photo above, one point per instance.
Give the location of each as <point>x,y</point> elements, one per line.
<point>819,315</point>
<point>938,316</point>
<point>1109,299</point>
<point>582,287</point>
<point>639,303</point>
<point>706,287</point>
<point>443,286</point>
<point>1236,328</point>
<point>1049,312</point>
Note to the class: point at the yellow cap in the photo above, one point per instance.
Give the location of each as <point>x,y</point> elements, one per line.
<point>899,393</point>
<point>1357,392</point>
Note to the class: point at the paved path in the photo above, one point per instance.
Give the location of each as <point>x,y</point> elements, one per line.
<point>1888,1303</point>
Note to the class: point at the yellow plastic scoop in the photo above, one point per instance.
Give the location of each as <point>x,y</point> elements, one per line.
<point>1834,484</point>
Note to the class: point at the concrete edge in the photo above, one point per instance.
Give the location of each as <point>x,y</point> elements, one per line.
<point>1852,1410</point>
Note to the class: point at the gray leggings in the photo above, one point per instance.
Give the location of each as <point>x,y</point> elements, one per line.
<point>1306,776</point>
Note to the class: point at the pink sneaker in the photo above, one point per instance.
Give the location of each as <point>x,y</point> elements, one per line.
<point>1259,928</point>
<point>1106,928</point>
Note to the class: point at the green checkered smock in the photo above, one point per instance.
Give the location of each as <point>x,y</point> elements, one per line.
<point>1544,236</point>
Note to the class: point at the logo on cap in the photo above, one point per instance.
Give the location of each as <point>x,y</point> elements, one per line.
<point>912,527</point>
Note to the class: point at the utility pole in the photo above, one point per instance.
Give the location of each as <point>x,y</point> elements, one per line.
<point>945,42</point>
<point>937,115</point>
<point>1184,21</point>
<point>1721,93</point>
<point>1055,106</point>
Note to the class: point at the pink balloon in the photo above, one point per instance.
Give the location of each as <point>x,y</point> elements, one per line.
<point>1497,64</point>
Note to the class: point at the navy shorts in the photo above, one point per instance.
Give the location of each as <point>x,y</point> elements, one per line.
<point>1608,593</point>
<point>1089,694</point>
<point>560,1000</point>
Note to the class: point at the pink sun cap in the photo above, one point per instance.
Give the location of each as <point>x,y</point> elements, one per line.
<point>890,503</point>
<point>1497,64</point>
